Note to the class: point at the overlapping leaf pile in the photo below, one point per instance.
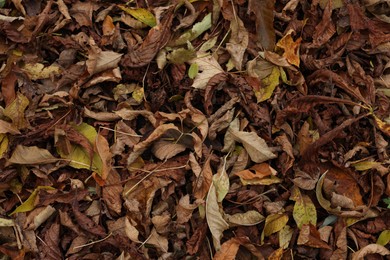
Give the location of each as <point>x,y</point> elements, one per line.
<point>214,129</point>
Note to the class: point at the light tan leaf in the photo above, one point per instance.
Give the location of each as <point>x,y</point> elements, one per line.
<point>39,71</point>
<point>156,134</point>
<point>238,42</point>
<point>203,181</point>
<point>99,60</point>
<point>6,127</point>
<point>131,232</point>
<point>285,235</point>
<point>160,242</point>
<point>167,149</point>
<point>38,216</point>
<point>103,150</point>
<point>248,218</point>
<point>184,209</point>
<point>208,67</point>
<point>256,147</point>
<point>215,221</point>
<point>370,249</point>
<point>221,181</point>
<point>228,250</point>
<point>31,155</point>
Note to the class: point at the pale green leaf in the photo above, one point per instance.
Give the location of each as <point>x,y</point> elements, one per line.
<point>193,70</point>
<point>384,238</point>
<point>31,155</point>
<point>7,222</point>
<point>29,204</point>
<point>285,235</point>
<point>141,14</point>
<point>181,55</point>
<point>194,32</point>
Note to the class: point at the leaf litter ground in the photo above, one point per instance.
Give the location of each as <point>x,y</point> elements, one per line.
<point>194,129</point>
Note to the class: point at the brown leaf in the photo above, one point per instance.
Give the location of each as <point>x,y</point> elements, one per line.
<point>156,39</point>
<point>370,249</point>
<point>112,191</point>
<point>309,236</point>
<point>86,223</point>
<point>263,11</point>
<point>50,248</point>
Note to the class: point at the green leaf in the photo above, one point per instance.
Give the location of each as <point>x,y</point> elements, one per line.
<point>194,32</point>
<point>384,238</point>
<point>2,3</point>
<point>29,204</point>
<point>193,70</point>
<point>387,201</point>
<point>141,14</point>
<point>181,55</point>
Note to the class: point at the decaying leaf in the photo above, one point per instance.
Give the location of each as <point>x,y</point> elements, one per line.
<point>31,155</point>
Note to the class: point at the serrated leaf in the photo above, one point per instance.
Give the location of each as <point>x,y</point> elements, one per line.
<point>215,221</point>
<point>193,70</point>
<point>29,204</point>
<point>141,14</point>
<point>248,218</point>
<point>31,155</point>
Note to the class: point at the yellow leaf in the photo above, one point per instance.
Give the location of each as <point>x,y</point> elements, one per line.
<point>273,224</point>
<point>285,235</point>
<point>79,156</point>
<point>15,111</point>
<point>366,165</point>
<point>384,238</point>
<point>39,71</point>
<point>3,144</point>
<point>304,210</point>
<point>269,83</point>
<point>138,94</point>
<point>383,126</point>
<point>141,14</point>
<point>29,204</point>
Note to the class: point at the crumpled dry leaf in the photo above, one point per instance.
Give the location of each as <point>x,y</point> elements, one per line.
<point>238,42</point>
<point>15,111</point>
<point>309,236</point>
<point>99,60</point>
<point>264,15</point>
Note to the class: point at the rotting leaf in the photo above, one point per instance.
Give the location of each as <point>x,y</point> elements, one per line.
<point>264,14</point>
